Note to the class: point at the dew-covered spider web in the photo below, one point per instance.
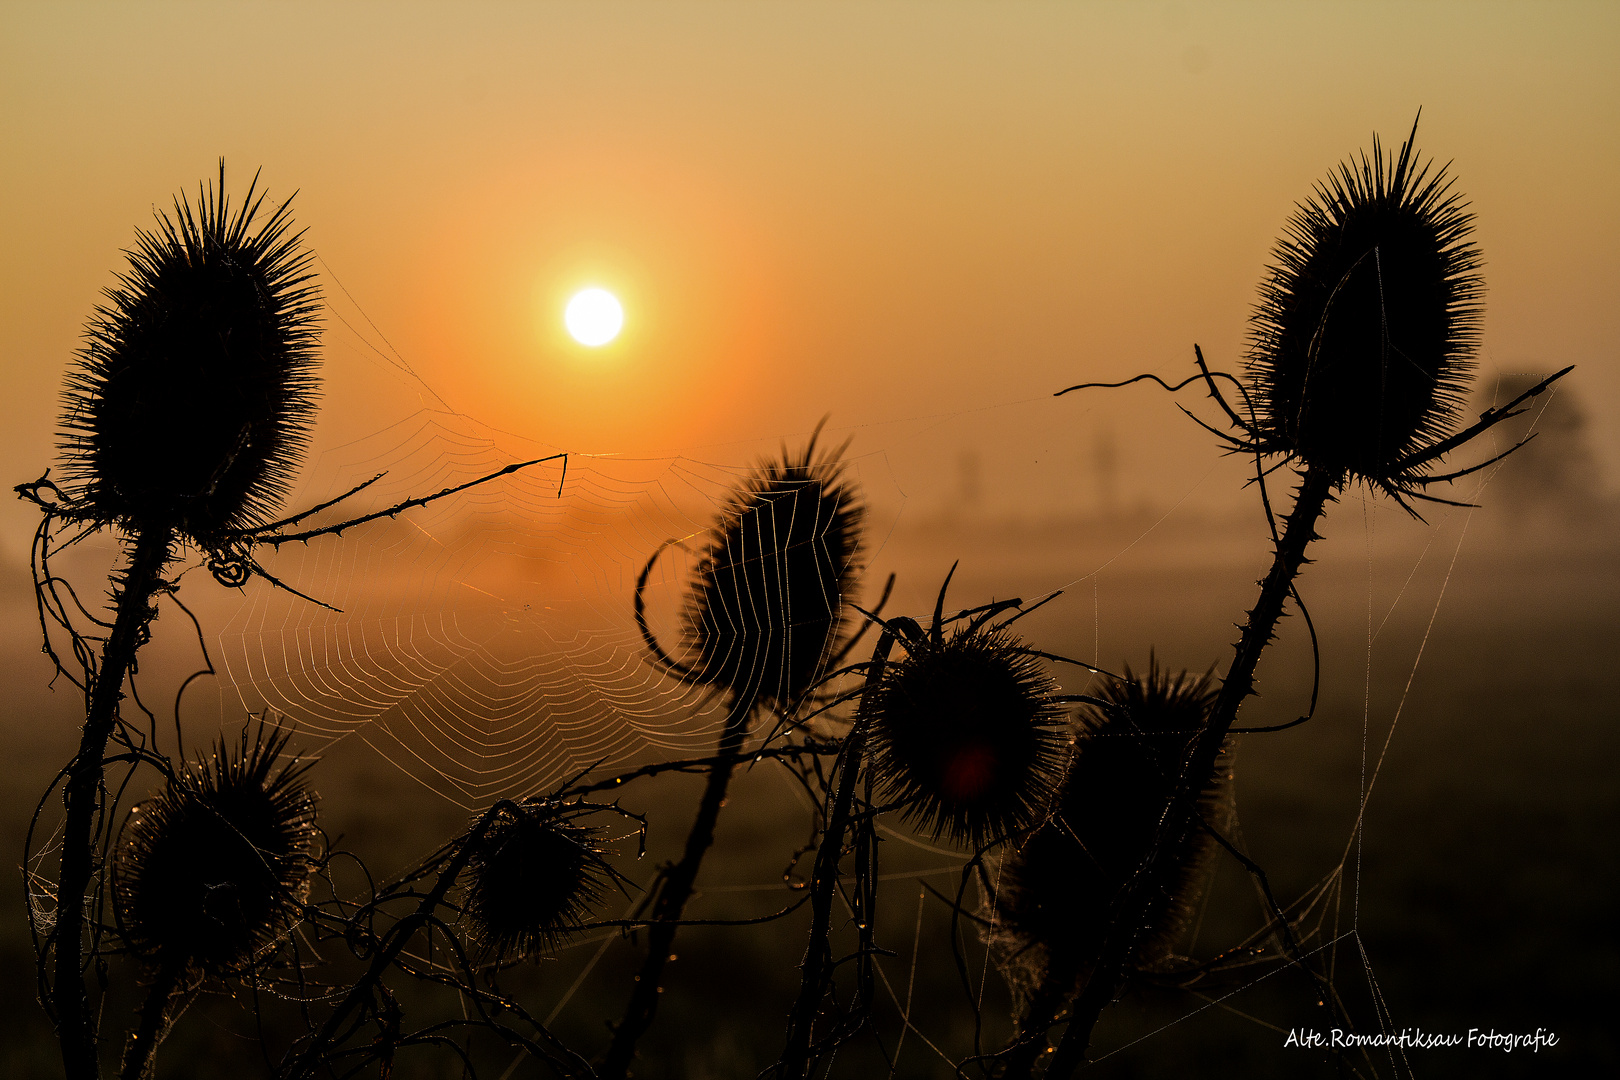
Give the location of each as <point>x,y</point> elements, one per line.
<point>486,644</point>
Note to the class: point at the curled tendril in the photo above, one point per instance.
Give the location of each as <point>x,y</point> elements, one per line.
<point>229,569</point>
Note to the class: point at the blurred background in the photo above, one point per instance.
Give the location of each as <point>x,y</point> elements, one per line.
<point>920,221</point>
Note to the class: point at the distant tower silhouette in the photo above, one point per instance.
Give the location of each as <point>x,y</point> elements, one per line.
<point>1105,460</point>
<point>969,481</point>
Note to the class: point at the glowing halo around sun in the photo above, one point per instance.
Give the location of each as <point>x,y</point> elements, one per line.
<point>594,317</point>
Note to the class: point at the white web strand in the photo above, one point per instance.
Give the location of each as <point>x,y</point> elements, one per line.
<point>486,645</point>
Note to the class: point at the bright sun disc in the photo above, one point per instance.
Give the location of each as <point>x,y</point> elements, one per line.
<point>594,317</point>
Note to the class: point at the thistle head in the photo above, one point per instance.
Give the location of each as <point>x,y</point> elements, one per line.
<point>966,731</point>
<point>1054,892</point>
<point>531,878</point>
<point>210,873</point>
<point>191,402</point>
<point>765,610</point>
<point>1361,344</point>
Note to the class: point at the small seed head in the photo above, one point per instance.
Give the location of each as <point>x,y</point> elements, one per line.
<point>530,880</point>
<point>965,729</point>
<point>1054,892</point>
<point>213,871</point>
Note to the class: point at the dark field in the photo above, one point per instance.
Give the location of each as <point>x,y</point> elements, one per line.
<point>1479,893</point>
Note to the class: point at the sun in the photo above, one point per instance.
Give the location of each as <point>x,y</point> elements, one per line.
<point>594,317</point>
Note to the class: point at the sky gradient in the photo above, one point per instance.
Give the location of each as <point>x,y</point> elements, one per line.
<point>883,212</point>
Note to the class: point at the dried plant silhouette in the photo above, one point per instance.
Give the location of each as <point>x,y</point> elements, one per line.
<point>532,878</point>
<point>961,734</point>
<point>1361,350</point>
<point>1089,822</point>
<point>184,421</point>
<point>211,873</point>
<point>967,733</point>
<point>1053,892</point>
<point>761,624</point>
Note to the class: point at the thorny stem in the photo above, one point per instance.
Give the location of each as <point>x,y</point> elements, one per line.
<point>1315,490</point>
<point>132,598</point>
<point>817,965</point>
<point>141,1050</point>
<point>306,1061</point>
<point>1029,1040</point>
<point>676,889</point>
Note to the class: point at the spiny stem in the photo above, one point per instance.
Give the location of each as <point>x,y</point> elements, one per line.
<point>676,890</point>
<point>75,1026</point>
<point>817,964</point>
<point>1125,913</point>
<point>305,1062</point>
<point>1029,1041</point>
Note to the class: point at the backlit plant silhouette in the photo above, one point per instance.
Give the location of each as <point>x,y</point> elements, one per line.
<point>211,873</point>
<point>1361,349</point>
<point>185,419</point>
<point>1089,835</point>
<point>762,624</point>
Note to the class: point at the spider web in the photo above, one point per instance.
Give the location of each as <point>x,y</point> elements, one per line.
<point>486,644</point>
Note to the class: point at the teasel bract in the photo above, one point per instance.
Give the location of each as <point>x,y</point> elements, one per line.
<point>1050,910</point>
<point>531,877</point>
<point>1362,342</point>
<point>764,612</point>
<point>192,401</point>
<point>966,734</point>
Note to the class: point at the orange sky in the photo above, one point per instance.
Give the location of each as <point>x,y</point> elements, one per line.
<point>920,218</point>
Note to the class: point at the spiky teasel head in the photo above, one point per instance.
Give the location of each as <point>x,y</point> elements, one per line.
<point>531,878</point>
<point>191,403</point>
<point>213,871</point>
<point>1054,892</point>
<point>965,729</point>
<point>1362,341</point>
<point>765,610</point>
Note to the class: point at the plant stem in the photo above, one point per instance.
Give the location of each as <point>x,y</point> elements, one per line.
<point>75,1026</point>
<point>1315,490</point>
<point>816,967</point>
<point>1029,1041</point>
<point>672,897</point>
<point>304,1064</point>
<point>141,1050</point>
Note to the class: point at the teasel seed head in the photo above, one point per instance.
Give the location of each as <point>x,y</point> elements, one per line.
<point>191,402</point>
<point>1054,892</point>
<point>1361,344</point>
<point>766,609</point>
<point>531,879</point>
<point>965,729</point>
<point>211,872</point>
